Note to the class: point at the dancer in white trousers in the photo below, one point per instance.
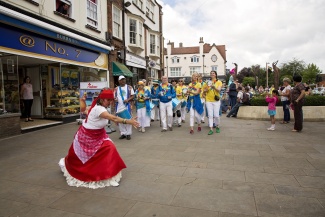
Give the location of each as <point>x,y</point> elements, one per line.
<point>123,95</point>
<point>212,92</point>
<point>142,97</point>
<point>165,93</point>
<point>155,101</point>
<point>181,91</point>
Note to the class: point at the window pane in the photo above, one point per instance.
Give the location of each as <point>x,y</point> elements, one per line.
<point>133,31</point>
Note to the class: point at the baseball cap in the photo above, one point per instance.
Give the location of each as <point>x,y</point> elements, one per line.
<point>121,77</point>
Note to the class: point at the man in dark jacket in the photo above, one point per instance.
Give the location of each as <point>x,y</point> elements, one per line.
<point>233,94</point>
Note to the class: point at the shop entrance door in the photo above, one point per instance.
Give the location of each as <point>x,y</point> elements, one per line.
<point>35,76</point>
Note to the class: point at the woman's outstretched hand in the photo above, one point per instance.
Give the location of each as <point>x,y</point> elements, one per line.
<point>134,122</point>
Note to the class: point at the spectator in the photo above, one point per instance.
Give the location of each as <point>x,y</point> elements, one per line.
<point>234,110</point>
<point>63,9</point>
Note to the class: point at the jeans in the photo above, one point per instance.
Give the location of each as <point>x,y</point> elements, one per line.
<point>232,101</point>
<point>234,109</point>
<point>286,111</point>
<point>28,107</point>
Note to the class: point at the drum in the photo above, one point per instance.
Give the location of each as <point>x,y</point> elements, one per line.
<point>184,90</point>
<point>155,102</point>
<point>176,103</point>
<point>124,114</point>
<point>209,83</point>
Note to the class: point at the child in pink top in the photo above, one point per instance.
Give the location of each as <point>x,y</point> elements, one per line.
<point>272,100</point>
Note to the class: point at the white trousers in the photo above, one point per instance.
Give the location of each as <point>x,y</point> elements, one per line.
<point>193,113</point>
<point>203,114</point>
<point>213,112</point>
<point>125,129</point>
<point>154,112</point>
<point>183,113</point>
<point>166,114</point>
<point>143,118</point>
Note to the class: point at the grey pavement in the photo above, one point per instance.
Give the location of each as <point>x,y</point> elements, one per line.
<point>244,171</point>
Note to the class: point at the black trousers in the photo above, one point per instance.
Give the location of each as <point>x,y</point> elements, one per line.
<point>28,107</point>
<point>298,115</point>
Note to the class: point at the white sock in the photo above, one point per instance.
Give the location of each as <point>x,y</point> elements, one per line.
<point>273,126</point>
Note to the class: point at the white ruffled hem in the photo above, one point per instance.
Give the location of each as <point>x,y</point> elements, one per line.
<point>114,181</point>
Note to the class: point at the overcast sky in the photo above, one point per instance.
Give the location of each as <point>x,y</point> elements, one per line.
<point>254,31</point>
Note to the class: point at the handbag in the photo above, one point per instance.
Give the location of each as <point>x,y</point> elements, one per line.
<point>216,97</point>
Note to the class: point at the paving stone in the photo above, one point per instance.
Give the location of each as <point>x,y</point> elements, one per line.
<point>215,174</point>
<point>288,206</point>
<point>162,162</point>
<point>314,173</point>
<point>198,165</point>
<point>212,158</point>
<point>254,161</point>
<point>178,156</point>
<point>278,148</point>
<point>148,209</point>
<point>144,191</point>
<point>317,156</point>
<point>293,163</point>
<point>93,204</point>
<point>301,149</point>
<point>139,176</point>
<point>235,167</point>
<point>205,183</point>
<point>9,207</point>
<point>248,186</point>
<point>248,146</point>
<point>318,164</point>
<point>319,147</point>
<point>281,170</point>
<point>322,201</point>
<point>300,192</point>
<point>283,154</point>
<point>176,180</point>
<point>216,200</point>
<point>311,181</point>
<point>224,214</point>
<point>165,170</point>
<point>280,179</point>
<point>208,150</point>
<point>242,152</point>
<point>34,211</point>
<point>178,148</point>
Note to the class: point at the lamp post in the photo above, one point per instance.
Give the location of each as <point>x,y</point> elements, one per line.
<point>166,66</point>
<point>203,66</point>
<point>267,75</point>
<point>125,5</point>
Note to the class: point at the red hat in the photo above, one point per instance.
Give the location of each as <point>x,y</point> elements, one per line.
<point>106,94</point>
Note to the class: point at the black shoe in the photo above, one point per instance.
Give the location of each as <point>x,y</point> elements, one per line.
<point>122,137</point>
<point>228,116</point>
<point>128,137</point>
<point>152,120</point>
<point>234,116</point>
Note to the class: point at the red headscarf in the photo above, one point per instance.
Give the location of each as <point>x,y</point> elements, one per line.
<point>104,94</point>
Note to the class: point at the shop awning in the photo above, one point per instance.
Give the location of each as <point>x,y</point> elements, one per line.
<point>121,69</point>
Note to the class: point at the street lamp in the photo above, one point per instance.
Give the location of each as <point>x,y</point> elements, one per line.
<point>167,66</point>
<point>267,75</point>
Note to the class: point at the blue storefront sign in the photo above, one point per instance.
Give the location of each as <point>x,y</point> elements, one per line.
<point>23,40</point>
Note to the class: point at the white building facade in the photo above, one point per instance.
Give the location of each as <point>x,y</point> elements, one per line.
<point>58,44</point>
<point>143,38</point>
<point>182,62</point>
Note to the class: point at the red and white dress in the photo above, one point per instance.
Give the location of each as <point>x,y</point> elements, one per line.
<point>92,160</point>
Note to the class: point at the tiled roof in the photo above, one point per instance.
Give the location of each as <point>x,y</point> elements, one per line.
<point>185,50</point>
<point>196,50</point>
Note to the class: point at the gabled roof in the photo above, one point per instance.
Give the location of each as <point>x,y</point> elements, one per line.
<point>196,50</point>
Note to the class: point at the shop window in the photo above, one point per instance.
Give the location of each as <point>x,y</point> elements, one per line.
<point>64,7</point>
<point>92,15</point>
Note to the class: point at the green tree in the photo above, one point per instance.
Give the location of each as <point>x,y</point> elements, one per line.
<point>293,67</point>
<point>249,80</point>
<point>310,73</point>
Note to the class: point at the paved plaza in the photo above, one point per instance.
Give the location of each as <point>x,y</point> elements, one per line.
<point>244,171</point>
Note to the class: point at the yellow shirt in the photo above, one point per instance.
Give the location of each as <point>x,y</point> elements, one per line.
<point>140,96</point>
<point>211,93</point>
<point>194,87</point>
<point>179,90</point>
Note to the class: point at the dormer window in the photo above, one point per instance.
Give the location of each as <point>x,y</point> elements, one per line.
<point>195,59</point>
<point>175,59</point>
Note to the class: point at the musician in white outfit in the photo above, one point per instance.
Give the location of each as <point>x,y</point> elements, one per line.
<point>123,95</point>
<point>155,101</point>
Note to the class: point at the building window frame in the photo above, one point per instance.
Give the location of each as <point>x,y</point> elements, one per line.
<point>175,59</point>
<point>92,13</point>
<point>175,71</point>
<point>150,9</point>
<point>194,69</point>
<point>152,44</point>
<point>195,59</point>
<point>117,20</point>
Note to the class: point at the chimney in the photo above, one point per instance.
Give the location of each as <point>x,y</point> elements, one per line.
<point>181,44</point>
<point>201,40</point>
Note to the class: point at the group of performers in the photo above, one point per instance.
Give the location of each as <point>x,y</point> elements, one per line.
<point>169,103</point>
<point>93,161</point>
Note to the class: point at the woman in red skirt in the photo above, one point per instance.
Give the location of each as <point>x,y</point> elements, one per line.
<point>92,160</point>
